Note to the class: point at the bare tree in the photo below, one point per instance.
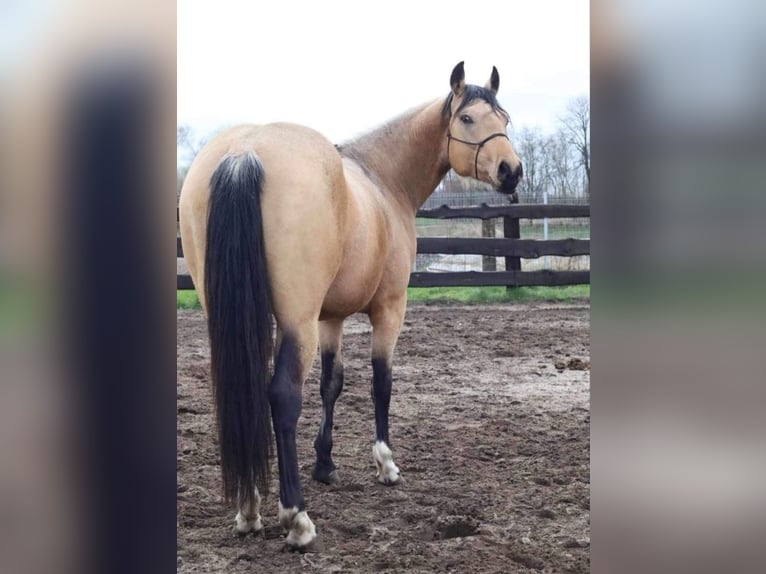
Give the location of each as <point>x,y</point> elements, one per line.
<point>561,169</point>
<point>188,143</point>
<point>181,133</point>
<point>575,126</point>
<point>531,146</point>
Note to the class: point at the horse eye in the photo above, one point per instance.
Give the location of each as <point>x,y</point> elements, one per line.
<point>466,119</point>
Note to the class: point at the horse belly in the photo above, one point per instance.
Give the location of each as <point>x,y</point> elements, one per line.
<point>350,293</point>
<point>362,266</point>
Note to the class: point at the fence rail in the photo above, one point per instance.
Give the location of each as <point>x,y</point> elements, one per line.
<point>507,278</point>
<point>514,211</point>
<point>511,246</point>
<point>503,247</point>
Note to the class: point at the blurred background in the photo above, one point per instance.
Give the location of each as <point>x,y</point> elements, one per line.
<point>678,331</point>
<point>87,393</point>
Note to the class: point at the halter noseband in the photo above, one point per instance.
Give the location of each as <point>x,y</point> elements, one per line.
<point>479,144</point>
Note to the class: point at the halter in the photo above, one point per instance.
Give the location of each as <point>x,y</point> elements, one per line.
<point>479,144</point>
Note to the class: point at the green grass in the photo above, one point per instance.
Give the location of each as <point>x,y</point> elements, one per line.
<point>25,309</point>
<point>556,231</point>
<point>187,300</point>
<point>475,295</point>
<point>497,294</point>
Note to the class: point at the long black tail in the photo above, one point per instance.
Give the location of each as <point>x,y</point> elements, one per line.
<point>239,325</point>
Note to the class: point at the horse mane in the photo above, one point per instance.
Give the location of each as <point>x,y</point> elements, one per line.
<point>471,93</point>
<point>397,146</point>
<point>355,145</point>
<point>368,149</point>
<point>356,148</point>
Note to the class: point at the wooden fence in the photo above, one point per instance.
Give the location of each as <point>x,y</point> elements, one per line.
<point>510,246</point>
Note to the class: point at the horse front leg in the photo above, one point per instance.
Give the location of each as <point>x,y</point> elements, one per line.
<point>386,323</point>
<point>294,358</point>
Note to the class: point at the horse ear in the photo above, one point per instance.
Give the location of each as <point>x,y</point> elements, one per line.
<point>457,80</point>
<point>493,84</point>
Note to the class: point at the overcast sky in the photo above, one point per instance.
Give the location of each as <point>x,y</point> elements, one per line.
<point>345,67</point>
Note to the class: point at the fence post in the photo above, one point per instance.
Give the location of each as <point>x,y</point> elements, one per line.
<point>511,230</point>
<point>488,262</point>
<point>545,226</point>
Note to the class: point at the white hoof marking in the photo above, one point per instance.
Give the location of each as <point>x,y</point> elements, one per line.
<point>286,516</point>
<point>245,525</point>
<point>249,516</point>
<point>301,530</point>
<point>388,472</point>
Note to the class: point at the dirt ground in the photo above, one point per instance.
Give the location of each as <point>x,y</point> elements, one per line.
<point>489,425</point>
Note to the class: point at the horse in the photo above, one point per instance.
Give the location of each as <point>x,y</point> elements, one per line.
<point>276,221</point>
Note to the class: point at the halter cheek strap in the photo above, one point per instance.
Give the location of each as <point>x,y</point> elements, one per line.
<point>478,148</point>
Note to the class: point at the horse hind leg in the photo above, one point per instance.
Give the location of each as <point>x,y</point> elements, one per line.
<point>248,518</point>
<point>294,358</point>
<point>331,386</point>
<point>386,324</point>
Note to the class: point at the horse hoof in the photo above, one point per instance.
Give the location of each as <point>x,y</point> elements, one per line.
<point>302,534</point>
<point>243,526</point>
<point>391,480</point>
<point>310,548</point>
<point>388,473</point>
<point>331,478</point>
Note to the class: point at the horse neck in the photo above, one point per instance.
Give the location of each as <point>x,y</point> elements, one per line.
<point>407,155</point>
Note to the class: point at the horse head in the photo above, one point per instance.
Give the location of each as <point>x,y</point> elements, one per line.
<point>477,142</point>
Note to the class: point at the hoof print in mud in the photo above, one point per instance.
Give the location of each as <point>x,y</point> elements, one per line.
<point>528,561</point>
<point>574,543</point>
<point>447,527</point>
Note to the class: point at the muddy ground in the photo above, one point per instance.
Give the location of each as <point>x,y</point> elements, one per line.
<point>489,425</point>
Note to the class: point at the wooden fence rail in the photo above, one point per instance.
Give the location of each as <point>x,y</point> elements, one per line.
<point>511,246</point>
<point>503,247</point>
<point>514,211</point>
<point>508,278</point>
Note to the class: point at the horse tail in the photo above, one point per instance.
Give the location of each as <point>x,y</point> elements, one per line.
<point>239,325</point>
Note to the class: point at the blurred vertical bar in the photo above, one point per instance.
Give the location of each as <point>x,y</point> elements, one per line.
<point>87,388</point>
<point>114,310</point>
<point>678,330</point>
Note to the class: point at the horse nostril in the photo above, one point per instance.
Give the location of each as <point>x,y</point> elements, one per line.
<point>503,171</point>
<point>520,171</point>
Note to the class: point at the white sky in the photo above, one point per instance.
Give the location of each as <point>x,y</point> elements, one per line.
<point>345,67</point>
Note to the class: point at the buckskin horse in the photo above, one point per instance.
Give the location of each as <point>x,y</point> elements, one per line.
<point>276,220</point>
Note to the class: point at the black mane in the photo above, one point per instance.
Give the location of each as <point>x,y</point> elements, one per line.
<point>471,93</point>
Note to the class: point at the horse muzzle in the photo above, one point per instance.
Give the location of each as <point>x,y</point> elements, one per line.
<point>509,178</point>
